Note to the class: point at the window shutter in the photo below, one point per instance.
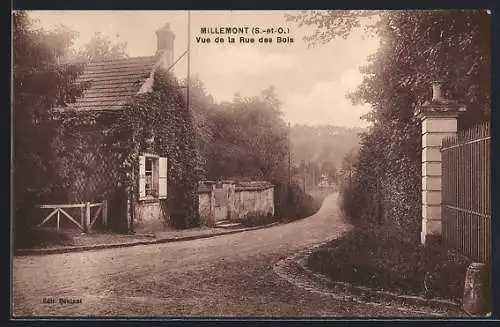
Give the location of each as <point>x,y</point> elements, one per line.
<point>162,178</point>
<point>155,177</point>
<point>142,177</point>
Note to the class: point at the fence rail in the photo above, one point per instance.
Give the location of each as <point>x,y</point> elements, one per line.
<point>466,192</point>
<point>87,221</point>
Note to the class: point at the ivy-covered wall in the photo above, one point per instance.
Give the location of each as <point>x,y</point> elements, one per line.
<point>98,154</point>
<point>163,114</point>
<point>87,163</point>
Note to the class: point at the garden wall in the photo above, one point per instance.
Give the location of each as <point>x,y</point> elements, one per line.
<point>233,201</point>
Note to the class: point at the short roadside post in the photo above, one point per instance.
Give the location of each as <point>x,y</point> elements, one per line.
<point>87,217</point>
<point>476,290</point>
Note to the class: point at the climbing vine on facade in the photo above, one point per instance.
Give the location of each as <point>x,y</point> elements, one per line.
<point>159,121</point>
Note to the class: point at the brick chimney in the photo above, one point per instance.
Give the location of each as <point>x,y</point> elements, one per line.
<point>165,46</point>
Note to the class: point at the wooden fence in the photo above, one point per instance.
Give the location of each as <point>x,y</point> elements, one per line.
<point>466,192</point>
<point>86,222</point>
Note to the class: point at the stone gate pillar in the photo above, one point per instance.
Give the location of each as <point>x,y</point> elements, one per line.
<point>439,121</point>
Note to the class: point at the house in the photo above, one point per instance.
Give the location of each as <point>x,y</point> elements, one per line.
<point>325,181</point>
<point>111,85</point>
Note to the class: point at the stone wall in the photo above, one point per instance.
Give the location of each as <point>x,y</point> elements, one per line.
<point>241,200</point>
<point>149,216</point>
<point>250,202</point>
<point>205,207</point>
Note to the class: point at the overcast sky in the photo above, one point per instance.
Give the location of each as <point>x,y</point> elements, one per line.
<point>311,83</point>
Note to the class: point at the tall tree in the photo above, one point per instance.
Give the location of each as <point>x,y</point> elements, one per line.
<point>100,47</point>
<point>39,83</point>
<point>249,139</point>
<point>416,48</point>
<point>200,105</point>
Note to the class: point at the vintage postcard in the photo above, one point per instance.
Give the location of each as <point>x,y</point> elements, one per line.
<point>315,163</point>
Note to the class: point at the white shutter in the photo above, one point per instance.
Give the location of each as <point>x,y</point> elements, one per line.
<point>142,177</point>
<point>162,178</point>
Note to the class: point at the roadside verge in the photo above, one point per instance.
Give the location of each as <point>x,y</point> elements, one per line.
<point>294,270</point>
<point>80,248</point>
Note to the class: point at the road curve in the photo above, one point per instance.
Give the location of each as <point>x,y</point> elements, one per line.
<point>224,276</point>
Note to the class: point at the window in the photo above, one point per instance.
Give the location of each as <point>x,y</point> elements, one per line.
<point>149,177</point>
<point>152,177</point>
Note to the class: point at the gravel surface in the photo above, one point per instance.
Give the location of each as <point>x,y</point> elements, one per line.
<point>223,276</point>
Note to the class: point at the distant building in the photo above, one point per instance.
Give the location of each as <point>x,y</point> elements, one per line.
<point>324,182</point>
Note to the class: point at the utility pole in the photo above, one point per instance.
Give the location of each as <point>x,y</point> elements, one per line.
<point>350,178</point>
<point>289,154</point>
<point>188,81</point>
<point>303,174</point>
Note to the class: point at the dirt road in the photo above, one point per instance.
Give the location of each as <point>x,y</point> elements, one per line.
<point>228,275</point>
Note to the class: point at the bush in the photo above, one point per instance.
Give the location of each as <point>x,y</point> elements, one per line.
<point>384,260</point>
<point>350,199</point>
<point>37,237</point>
<point>292,203</point>
<point>319,195</point>
<point>256,219</point>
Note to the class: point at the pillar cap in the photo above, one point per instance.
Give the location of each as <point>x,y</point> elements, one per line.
<point>477,265</point>
<point>439,106</point>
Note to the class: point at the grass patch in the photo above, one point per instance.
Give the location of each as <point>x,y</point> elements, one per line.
<point>39,237</point>
<point>384,261</point>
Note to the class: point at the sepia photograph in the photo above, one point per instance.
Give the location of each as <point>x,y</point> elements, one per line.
<point>251,164</point>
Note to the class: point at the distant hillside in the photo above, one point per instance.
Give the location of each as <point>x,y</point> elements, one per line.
<point>322,143</point>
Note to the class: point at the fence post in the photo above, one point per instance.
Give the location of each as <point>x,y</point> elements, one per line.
<point>82,217</point>
<point>212,220</point>
<point>105,213</point>
<point>58,218</point>
<point>439,121</point>
<point>87,217</point>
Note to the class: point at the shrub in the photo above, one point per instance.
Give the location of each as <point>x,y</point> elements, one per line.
<point>350,199</point>
<point>36,237</point>
<point>292,203</point>
<point>257,219</point>
<point>319,195</point>
<point>384,260</point>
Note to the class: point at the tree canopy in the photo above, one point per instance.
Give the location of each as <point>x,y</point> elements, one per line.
<point>417,47</point>
<point>41,81</point>
<point>249,138</point>
<point>100,47</point>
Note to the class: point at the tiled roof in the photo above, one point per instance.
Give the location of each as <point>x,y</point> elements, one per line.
<point>112,83</point>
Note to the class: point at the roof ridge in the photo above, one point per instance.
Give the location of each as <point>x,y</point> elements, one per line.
<point>121,59</point>
<point>73,62</point>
